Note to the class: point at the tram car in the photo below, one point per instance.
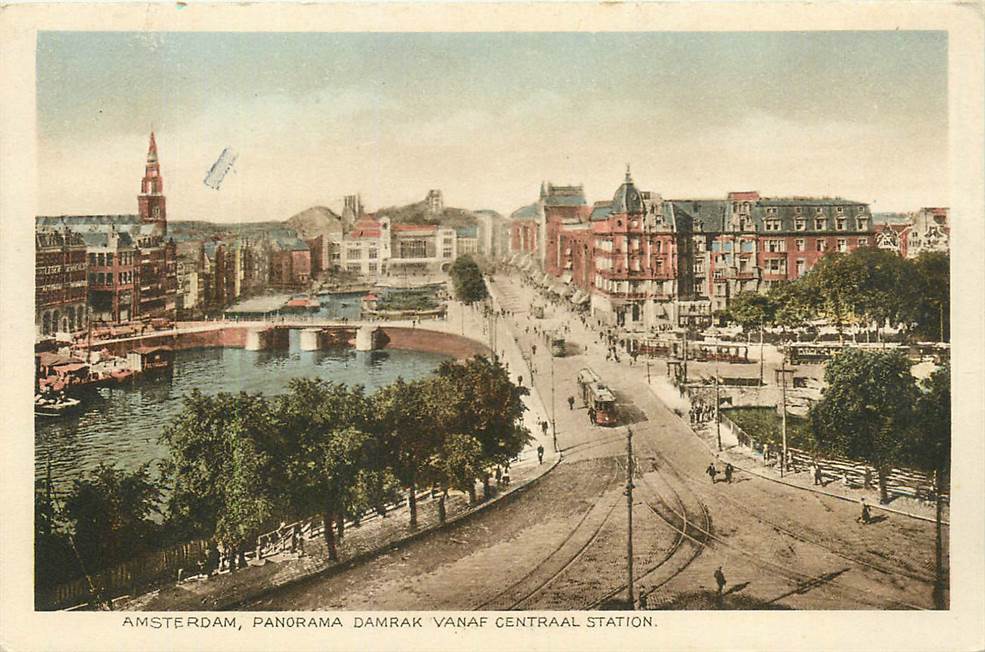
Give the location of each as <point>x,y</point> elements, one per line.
<point>558,348</point>
<point>711,351</point>
<point>596,396</point>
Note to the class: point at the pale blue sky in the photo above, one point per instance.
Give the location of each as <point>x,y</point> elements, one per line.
<point>486,117</point>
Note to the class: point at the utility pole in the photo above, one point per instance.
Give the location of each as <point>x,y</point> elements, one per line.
<point>761,355</point>
<point>629,510</point>
<point>685,357</point>
<point>783,414</point>
<point>648,369</point>
<point>553,406</point>
<point>718,403</point>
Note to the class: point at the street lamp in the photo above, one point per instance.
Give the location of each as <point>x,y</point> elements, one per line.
<point>553,406</point>
<point>629,512</point>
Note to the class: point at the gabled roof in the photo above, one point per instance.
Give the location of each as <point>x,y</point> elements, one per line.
<point>601,210</point>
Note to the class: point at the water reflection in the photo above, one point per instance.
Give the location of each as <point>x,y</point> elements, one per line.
<point>121,425</point>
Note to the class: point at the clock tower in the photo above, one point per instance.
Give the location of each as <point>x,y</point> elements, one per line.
<point>151,198</point>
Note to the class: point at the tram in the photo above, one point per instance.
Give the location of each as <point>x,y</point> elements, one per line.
<point>597,397</point>
<point>557,345</point>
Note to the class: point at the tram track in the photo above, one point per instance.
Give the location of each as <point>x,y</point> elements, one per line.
<point>579,551</point>
<point>800,579</point>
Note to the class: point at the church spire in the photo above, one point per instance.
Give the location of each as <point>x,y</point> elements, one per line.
<point>152,149</point>
<point>151,199</point>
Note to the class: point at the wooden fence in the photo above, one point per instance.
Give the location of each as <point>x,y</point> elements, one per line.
<point>899,481</point>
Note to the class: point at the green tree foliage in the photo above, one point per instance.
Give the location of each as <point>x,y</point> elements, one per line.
<point>751,309</point>
<point>931,443</point>
<point>794,304</point>
<point>459,462</point>
<point>866,412</point>
<point>226,484</point>
<point>467,280</point>
<point>55,559</point>
<point>404,417</point>
<point>110,514</point>
<point>932,304</point>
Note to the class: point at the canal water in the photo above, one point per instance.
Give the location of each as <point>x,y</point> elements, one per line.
<point>121,425</point>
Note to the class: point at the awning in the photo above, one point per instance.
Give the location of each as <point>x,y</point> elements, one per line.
<point>566,277</point>
<point>584,298</point>
<point>577,295</point>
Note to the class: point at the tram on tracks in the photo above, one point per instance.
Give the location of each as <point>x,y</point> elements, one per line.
<point>558,347</point>
<point>597,398</point>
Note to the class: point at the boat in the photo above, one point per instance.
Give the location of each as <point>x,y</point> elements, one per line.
<point>54,405</point>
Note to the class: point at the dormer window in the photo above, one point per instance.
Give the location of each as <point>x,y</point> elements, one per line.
<point>861,210</point>
<point>840,224</point>
<point>819,210</point>
<point>863,224</point>
<point>799,210</point>
<point>771,210</point>
<point>819,224</point>
<point>841,210</point>
<point>772,225</point>
<point>800,224</point>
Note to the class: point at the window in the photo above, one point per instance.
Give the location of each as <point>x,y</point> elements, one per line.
<point>801,244</point>
<point>800,224</point>
<point>863,242</point>
<point>776,265</point>
<point>771,210</point>
<point>772,225</point>
<point>373,252</point>
<point>798,210</point>
<point>841,210</point>
<point>699,266</point>
<point>840,224</point>
<point>92,277</point>
<point>863,224</point>
<point>744,264</point>
<point>775,246</point>
<point>819,210</point>
<point>801,267</point>
<point>100,278</point>
<point>102,259</point>
<point>842,245</point>
<point>658,246</point>
<point>92,259</point>
<point>860,210</point>
<point>372,267</point>
<point>819,224</point>
<point>820,245</point>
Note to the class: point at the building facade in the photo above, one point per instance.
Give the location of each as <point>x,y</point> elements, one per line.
<point>60,282</point>
<point>644,262</point>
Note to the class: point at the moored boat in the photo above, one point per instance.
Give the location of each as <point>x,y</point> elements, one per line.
<point>54,406</point>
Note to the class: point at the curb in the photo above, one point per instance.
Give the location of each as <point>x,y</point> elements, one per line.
<point>362,557</point>
<point>797,486</point>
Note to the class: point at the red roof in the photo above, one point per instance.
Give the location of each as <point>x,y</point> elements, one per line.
<point>746,195</point>
<point>370,297</point>
<point>415,227</point>
<point>297,303</point>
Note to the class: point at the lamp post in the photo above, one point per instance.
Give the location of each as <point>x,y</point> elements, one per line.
<point>783,413</point>
<point>718,404</point>
<point>553,406</point>
<point>629,512</point>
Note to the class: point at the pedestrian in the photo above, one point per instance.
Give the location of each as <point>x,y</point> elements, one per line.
<point>519,381</point>
<point>543,427</point>
<point>506,476</point>
<point>866,516</point>
<point>571,402</point>
<point>720,580</point>
<point>642,601</point>
<point>591,415</point>
<point>533,349</point>
<point>499,476</point>
<point>712,472</point>
<point>540,454</point>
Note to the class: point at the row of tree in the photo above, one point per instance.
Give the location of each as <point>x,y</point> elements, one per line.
<point>865,286</point>
<point>241,464</point>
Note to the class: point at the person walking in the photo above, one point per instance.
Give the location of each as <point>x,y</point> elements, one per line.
<point>866,516</point>
<point>728,472</point>
<point>712,472</point>
<point>720,580</point>
<point>571,402</point>
<point>543,427</point>
<point>591,415</point>
<point>540,454</point>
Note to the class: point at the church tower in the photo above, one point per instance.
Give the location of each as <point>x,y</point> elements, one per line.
<point>151,198</point>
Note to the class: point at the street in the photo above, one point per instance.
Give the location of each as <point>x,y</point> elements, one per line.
<point>562,543</point>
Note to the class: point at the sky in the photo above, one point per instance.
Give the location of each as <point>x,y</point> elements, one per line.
<point>486,117</point>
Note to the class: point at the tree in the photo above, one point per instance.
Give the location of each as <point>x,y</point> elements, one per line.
<point>794,303</point>
<point>458,464</point>
<point>467,280</point>
<point>932,299</point>
<point>483,402</point>
<point>751,309</point>
<point>226,484</point>
<point>408,436</point>
<point>327,453</point>
<point>110,513</point>
<point>866,411</point>
<point>931,450</point>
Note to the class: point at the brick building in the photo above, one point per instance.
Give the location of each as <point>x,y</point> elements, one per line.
<point>642,261</point>
<point>60,282</point>
<point>151,291</point>
<point>113,275</point>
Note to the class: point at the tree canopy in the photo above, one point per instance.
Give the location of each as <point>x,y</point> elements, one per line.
<point>467,281</point>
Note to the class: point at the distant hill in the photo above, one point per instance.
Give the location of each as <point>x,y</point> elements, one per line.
<point>202,230</point>
<point>315,221</point>
<point>417,213</point>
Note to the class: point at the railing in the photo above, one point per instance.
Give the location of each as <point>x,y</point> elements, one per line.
<point>854,474</point>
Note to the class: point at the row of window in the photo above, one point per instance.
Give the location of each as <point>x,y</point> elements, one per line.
<point>820,224</point>
<point>106,259</point>
<point>100,278</point>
